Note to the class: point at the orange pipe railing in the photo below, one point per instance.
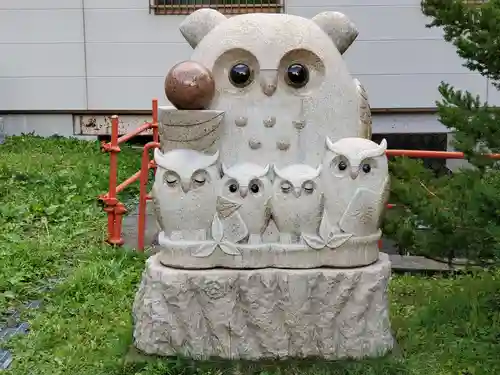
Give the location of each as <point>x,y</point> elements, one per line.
<point>433,154</point>
<point>112,206</point>
<point>146,164</point>
<point>115,209</point>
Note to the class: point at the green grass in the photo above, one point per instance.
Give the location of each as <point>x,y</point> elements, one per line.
<point>53,228</point>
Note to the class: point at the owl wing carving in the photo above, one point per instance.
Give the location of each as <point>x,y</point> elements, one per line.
<point>384,199</point>
<point>362,214</point>
<point>365,114</point>
<point>194,130</point>
<point>234,228</point>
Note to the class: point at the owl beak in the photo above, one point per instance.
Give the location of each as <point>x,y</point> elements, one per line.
<point>268,82</point>
<point>354,172</point>
<point>243,191</point>
<point>297,191</point>
<point>185,185</point>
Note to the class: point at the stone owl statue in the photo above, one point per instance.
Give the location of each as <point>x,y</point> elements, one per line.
<point>355,182</point>
<point>249,187</point>
<point>296,201</point>
<point>185,191</point>
<point>281,82</point>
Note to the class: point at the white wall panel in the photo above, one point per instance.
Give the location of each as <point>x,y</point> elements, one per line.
<point>116,4</point>
<point>41,26</point>
<point>352,3</point>
<point>131,26</point>
<point>404,57</point>
<point>124,93</point>
<point>417,90</point>
<point>42,60</point>
<point>40,4</point>
<point>407,123</point>
<point>134,59</point>
<point>42,64</point>
<point>378,22</point>
<point>41,94</point>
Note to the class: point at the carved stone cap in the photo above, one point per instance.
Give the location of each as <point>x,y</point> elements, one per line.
<point>189,129</point>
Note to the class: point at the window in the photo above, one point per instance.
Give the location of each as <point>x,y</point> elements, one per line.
<point>419,141</point>
<point>173,7</point>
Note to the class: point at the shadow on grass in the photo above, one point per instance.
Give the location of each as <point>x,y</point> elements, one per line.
<point>138,363</point>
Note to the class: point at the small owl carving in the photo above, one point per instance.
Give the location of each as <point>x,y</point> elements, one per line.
<point>249,185</point>
<point>297,199</point>
<point>355,182</point>
<point>185,190</point>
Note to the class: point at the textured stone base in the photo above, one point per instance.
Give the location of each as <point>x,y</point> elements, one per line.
<point>264,313</point>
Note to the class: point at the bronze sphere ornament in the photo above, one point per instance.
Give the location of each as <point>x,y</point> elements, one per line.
<point>189,85</point>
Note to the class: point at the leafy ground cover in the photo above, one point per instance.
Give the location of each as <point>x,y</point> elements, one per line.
<point>51,249</point>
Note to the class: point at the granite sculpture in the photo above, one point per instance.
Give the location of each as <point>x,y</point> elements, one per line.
<point>268,200</point>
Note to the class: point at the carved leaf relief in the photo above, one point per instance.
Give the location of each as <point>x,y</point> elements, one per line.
<point>328,236</point>
<point>338,240</point>
<point>229,248</point>
<point>314,242</point>
<point>325,227</point>
<point>204,250</point>
<point>217,229</point>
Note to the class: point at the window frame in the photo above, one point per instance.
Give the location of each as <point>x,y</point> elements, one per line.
<point>238,7</point>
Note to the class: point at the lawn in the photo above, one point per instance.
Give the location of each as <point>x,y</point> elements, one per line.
<point>51,249</point>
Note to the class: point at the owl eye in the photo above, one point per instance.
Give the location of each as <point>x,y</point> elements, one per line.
<point>309,187</point>
<point>297,75</point>
<point>233,188</point>
<point>170,179</point>
<point>342,166</point>
<point>240,75</point>
<point>254,188</point>
<point>286,187</point>
<point>367,168</point>
<point>199,179</point>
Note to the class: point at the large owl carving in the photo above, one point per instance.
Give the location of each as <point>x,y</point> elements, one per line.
<point>364,110</point>
<point>296,201</point>
<point>355,182</point>
<point>249,186</point>
<point>281,82</point>
<point>185,191</point>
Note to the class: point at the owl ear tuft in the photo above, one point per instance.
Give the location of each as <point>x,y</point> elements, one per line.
<point>339,28</point>
<point>223,169</point>
<point>276,171</point>
<point>383,145</point>
<point>329,144</point>
<point>199,23</point>
<point>267,168</point>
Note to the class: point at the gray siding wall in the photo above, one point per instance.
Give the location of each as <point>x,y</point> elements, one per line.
<point>113,54</point>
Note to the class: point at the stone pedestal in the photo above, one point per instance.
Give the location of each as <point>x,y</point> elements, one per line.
<point>264,313</point>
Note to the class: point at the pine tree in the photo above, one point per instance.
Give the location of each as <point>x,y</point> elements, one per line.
<point>456,216</point>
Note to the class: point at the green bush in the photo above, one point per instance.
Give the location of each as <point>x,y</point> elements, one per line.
<point>456,216</point>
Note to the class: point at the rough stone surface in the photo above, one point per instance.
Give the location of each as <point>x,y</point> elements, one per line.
<point>266,313</point>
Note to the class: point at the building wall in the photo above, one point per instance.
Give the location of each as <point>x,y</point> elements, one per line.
<point>112,55</point>
<point>42,64</point>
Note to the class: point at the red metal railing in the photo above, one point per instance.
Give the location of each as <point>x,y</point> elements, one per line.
<point>115,209</point>
<point>112,206</point>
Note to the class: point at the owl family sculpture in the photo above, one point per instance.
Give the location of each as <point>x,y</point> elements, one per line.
<point>268,199</point>
<point>282,145</point>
